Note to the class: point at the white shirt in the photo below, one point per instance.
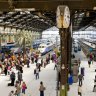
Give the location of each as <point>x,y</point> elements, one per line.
<point>37,70</point>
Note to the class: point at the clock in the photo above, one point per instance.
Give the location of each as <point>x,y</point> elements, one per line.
<point>58,18</point>
<point>63,16</point>
<point>66,17</point>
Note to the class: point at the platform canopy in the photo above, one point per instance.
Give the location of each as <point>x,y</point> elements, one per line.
<point>39,15</point>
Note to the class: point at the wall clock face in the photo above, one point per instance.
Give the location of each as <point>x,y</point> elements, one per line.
<point>63,16</point>
<point>58,18</point>
<point>66,18</point>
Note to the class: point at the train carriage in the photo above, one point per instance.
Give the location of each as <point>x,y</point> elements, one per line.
<point>45,48</point>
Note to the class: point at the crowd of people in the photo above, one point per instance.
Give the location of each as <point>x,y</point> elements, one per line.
<point>12,65</point>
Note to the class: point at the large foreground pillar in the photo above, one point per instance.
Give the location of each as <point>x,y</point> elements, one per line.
<point>63,22</point>
<point>64,62</point>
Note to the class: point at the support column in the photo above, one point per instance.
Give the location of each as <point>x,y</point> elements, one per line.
<point>63,26</point>
<point>69,45</point>
<point>64,61</point>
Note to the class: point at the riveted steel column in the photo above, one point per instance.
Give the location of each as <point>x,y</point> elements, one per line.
<point>64,61</point>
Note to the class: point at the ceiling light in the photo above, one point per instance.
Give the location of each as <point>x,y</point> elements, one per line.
<point>18,9</point>
<point>35,16</point>
<point>25,9</point>
<point>28,12</point>
<point>31,9</point>
<point>22,12</point>
<point>94,8</point>
<point>10,12</point>
<point>41,19</point>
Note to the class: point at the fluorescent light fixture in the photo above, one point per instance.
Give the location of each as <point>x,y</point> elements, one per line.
<point>28,12</point>
<point>18,9</point>
<point>94,8</point>
<point>31,9</point>
<point>22,12</point>
<point>35,16</point>
<point>25,9</point>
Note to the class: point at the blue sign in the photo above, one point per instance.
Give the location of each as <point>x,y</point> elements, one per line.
<point>90,49</point>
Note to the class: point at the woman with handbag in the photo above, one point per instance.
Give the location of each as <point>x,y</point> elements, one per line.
<point>24,87</point>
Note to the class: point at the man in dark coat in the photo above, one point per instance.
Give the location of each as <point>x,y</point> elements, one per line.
<point>80,77</point>
<point>12,77</point>
<point>19,76</point>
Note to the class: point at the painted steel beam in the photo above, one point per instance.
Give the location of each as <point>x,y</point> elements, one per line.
<point>48,4</point>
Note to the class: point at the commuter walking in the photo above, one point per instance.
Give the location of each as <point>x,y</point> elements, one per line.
<point>82,71</point>
<point>37,73</point>
<point>80,78</point>
<point>21,69</point>
<point>24,87</point>
<point>18,90</point>
<point>41,62</point>
<point>47,60</point>
<point>45,63</point>
<point>19,76</point>
<point>41,89</point>
<point>79,62</point>
<point>52,58</point>
<point>80,90</point>
<point>91,57</point>
<point>39,67</point>
<point>5,70</point>
<point>28,62</point>
<point>89,63</point>
<point>55,66</point>
<point>32,59</point>
<point>12,77</point>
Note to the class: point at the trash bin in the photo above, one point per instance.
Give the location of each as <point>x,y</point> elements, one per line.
<point>70,80</point>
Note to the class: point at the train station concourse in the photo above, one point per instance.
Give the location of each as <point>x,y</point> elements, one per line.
<point>47,47</point>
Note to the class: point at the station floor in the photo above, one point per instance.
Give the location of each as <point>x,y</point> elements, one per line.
<point>88,82</point>
<point>48,76</point>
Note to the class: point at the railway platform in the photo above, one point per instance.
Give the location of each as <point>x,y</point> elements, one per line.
<point>88,82</point>
<point>48,76</point>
